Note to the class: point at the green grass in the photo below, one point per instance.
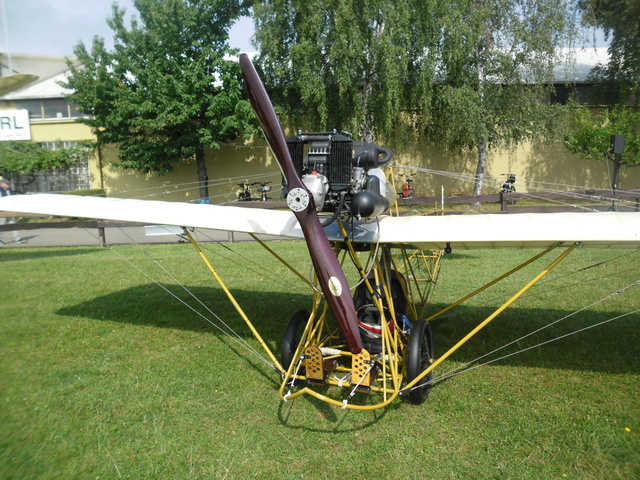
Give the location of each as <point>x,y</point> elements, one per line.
<point>104,375</point>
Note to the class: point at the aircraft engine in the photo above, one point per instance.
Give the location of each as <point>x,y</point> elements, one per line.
<point>318,185</point>
<point>343,175</point>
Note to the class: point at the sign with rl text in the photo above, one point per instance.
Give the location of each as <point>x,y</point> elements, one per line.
<point>14,125</point>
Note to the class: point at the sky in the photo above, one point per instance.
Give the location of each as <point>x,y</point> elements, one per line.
<point>54,27</point>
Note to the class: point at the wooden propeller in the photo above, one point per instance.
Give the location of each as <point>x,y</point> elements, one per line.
<point>330,274</point>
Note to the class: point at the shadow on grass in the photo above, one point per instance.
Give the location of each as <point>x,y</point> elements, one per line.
<point>24,254</point>
<point>151,305</point>
<point>610,348</point>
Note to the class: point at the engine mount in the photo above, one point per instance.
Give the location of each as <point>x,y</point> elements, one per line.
<point>342,175</point>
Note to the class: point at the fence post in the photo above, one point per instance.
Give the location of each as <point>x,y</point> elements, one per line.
<point>503,202</point>
<point>102,236</point>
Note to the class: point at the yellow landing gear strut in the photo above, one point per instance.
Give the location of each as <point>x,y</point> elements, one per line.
<point>318,359</point>
<point>485,322</point>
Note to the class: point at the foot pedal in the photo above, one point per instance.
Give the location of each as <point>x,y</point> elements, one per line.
<point>313,364</point>
<point>361,370</point>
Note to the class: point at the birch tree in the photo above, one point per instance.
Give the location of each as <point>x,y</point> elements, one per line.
<point>348,65</point>
<point>495,74</point>
<point>472,74</point>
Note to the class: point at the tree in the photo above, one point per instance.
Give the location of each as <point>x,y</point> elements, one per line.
<point>618,80</point>
<point>167,90</point>
<point>496,71</point>
<point>347,65</point>
<point>473,74</point>
<point>28,157</point>
<point>589,135</point>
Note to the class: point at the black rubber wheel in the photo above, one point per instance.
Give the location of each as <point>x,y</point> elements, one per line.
<point>292,336</point>
<point>419,357</point>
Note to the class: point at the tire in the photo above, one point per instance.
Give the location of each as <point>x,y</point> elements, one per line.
<point>419,357</point>
<point>292,336</point>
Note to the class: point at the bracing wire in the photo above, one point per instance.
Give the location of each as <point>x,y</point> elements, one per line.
<point>557,289</point>
<point>225,329</point>
<point>258,269</point>
<point>159,190</point>
<point>472,364</point>
<point>542,187</point>
<point>549,282</point>
<point>604,322</point>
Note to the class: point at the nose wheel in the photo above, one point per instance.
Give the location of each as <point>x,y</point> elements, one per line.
<point>419,358</point>
<point>292,337</point>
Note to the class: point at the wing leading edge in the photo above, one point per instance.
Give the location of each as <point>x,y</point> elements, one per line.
<point>524,230</point>
<point>236,219</point>
<point>605,229</point>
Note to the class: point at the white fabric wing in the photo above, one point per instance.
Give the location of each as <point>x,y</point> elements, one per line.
<point>606,229</point>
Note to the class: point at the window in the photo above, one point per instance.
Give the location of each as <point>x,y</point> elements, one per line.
<point>33,106</point>
<point>59,144</point>
<point>55,108</point>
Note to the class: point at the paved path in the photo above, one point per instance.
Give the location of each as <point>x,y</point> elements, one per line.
<point>68,237</point>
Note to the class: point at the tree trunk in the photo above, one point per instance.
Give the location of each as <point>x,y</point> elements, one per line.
<point>203,179</point>
<point>366,131</point>
<point>482,163</point>
<point>482,140</point>
<point>366,125</point>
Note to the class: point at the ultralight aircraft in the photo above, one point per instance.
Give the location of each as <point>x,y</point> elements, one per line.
<point>369,337</point>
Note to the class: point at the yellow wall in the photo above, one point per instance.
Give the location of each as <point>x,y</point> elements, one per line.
<point>549,166</point>
<point>535,167</point>
<point>228,166</point>
<point>50,131</point>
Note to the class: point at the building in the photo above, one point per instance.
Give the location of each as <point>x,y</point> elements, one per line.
<point>51,120</point>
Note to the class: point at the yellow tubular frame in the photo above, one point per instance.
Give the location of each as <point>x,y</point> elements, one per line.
<point>233,301</point>
<point>391,360</point>
<point>391,356</point>
<point>493,282</point>
<point>485,322</point>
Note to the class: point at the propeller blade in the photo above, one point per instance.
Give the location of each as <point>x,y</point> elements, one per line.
<point>328,269</point>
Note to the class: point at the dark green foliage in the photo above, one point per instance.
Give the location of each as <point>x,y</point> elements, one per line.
<point>28,157</point>
<point>497,59</point>
<point>473,74</point>
<point>619,80</point>
<point>167,90</point>
<point>347,65</point>
<point>590,131</point>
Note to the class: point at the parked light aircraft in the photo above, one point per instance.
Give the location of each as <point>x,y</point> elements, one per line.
<point>368,337</point>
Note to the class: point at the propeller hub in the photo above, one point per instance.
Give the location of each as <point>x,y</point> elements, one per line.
<point>298,199</point>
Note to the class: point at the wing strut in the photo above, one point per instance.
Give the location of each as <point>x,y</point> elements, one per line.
<point>327,267</point>
<point>485,322</point>
<point>276,364</point>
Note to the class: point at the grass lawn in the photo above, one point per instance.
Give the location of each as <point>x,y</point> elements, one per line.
<point>105,375</point>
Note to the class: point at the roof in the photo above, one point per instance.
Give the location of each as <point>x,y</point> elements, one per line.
<point>578,64</point>
<point>45,88</point>
<point>50,71</point>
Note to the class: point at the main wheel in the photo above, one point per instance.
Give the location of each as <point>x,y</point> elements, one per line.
<point>419,357</point>
<point>292,337</point>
